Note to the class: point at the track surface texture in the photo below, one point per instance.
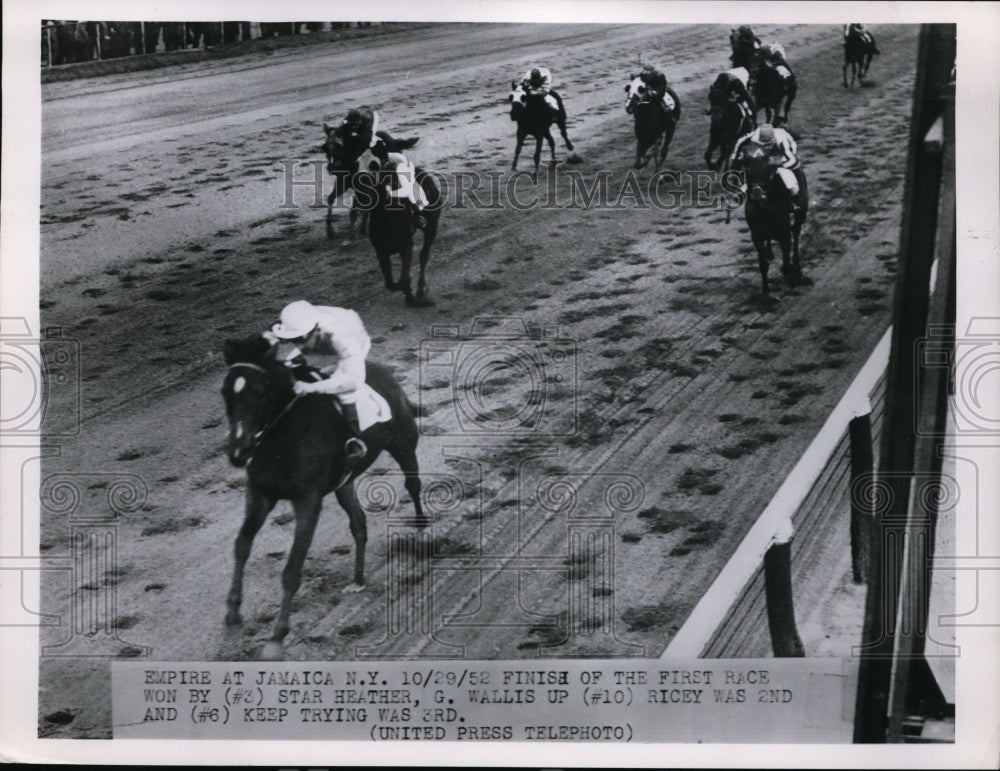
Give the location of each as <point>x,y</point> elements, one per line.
<point>683,402</point>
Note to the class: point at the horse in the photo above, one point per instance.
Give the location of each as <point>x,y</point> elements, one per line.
<point>859,48</point>
<point>772,89</point>
<point>391,224</point>
<point>296,445</point>
<point>535,117</point>
<point>343,147</point>
<point>769,213</point>
<point>745,51</point>
<point>728,123</point>
<point>654,125</point>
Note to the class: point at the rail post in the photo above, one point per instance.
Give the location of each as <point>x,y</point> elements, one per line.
<point>785,640</point>
<point>862,471</point>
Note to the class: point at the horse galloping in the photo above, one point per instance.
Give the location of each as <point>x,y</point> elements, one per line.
<point>343,147</point>
<point>859,48</point>
<point>655,122</point>
<point>771,215</point>
<point>534,117</point>
<point>773,88</point>
<point>391,224</point>
<point>297,448</point>
<point>729,121</point>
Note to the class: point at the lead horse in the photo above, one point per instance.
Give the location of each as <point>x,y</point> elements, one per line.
<point>655,122</point>
<point>296,445</point>
<point>771,216</point>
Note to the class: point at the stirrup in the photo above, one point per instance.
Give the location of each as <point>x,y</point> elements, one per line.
<point>356,449</point>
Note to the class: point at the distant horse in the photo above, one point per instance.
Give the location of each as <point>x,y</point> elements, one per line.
<point>769,213</point>
<point>654,124</point>
<point>391,224</point>
<point>296,445</point>
<point>344,146</point>
<point>859,48</point>
<point>534,117</point>
<point>772,89</point>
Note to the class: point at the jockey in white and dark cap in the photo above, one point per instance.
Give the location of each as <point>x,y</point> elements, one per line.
<point>782,153</point>
<point>328,330</point>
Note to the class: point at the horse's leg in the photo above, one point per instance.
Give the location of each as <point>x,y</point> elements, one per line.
<point>329,213</point>
<point>793,89</point>
<point>306,515</point>
<point>405,285</point>
<point>846,61</point>
<point>521,134</point>
<point>552,145</point>
<point>430,232</point>
<point>385,263</point>
<point>763,261</point>
<point>708,153</point>
<point>348,499</point>
<point>796,264</point>
<point>538,153</point>
<point>668,135</point>
<point>257,508</point>
<point>406,457</point>
<point>561,123</point>
<point>784,241</point>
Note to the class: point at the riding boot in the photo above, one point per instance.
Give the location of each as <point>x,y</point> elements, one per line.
<point>355,447</point>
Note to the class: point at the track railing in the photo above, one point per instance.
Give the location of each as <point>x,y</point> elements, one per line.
<point>767,547</point>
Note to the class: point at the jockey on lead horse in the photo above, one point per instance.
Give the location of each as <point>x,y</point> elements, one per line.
<point>782,153</point>
<point>327,330</point>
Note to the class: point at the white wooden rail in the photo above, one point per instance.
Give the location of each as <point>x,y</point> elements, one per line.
<point>774,525</point>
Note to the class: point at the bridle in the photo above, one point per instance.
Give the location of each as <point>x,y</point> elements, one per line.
<point>257,437</point>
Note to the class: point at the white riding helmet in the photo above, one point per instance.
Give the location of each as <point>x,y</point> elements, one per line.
<point>766,133</point>
<point>298,319</point>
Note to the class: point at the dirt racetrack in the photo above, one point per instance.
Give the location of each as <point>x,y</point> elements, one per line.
<point>678,401</point>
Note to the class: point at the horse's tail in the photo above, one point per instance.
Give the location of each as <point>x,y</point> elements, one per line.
<point>417,409</point>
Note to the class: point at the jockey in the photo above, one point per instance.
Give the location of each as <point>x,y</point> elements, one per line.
<point>742,39</point>
<point>782,152</point>
<point>330,331</point>
<point>774,57</point>
<point>865,35</point>
<point>407,186</point>
<point>733,84</point>
<point>538,80</point>
<point>356,125</point>
<point>656,82</point>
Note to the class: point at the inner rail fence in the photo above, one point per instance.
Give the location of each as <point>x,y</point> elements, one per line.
<point>831,478</point>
